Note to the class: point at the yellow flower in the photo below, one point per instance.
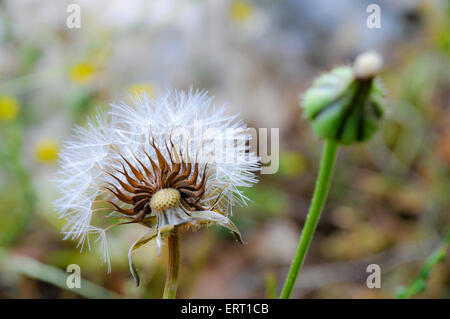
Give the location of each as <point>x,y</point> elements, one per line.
<point>46,150</point>
<point>82,73</point>
<point>140,88</point>
<point>240,10</point>
<point>292,164</point>
<point>9,108</point>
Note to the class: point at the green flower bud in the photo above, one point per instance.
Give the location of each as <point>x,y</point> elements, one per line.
<point>347,104</point>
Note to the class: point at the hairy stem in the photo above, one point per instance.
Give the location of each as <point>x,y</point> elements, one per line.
<point>327,161</point>
<point>170,289</point>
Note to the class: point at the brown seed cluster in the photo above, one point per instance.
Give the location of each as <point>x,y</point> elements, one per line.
<point>177,173</point>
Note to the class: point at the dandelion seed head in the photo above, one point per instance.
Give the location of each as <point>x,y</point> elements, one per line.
<point>172,160</point>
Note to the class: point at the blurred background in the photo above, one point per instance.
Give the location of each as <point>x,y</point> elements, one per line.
<point>389,202</point>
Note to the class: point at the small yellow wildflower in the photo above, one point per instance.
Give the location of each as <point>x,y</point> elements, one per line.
<point>292,164</point>
<point>82,73</point>
<point>140,88</point>
<point>46,150</point>
<point>9,108</point>
<point>240,10</point>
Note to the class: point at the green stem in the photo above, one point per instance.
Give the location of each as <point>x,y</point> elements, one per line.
<point>420,283</point>
<point>327,161</point>
<point>170,290</point>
